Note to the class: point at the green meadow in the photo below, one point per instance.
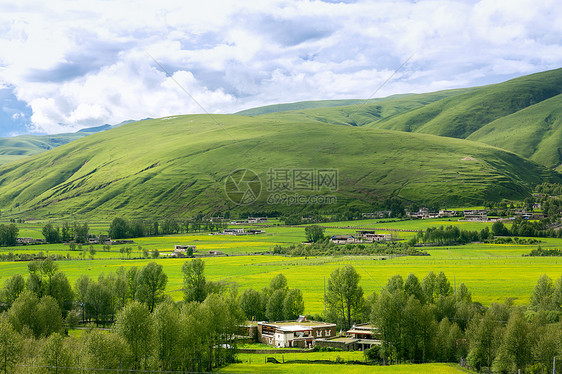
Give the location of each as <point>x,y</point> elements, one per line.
<point>492,272</point>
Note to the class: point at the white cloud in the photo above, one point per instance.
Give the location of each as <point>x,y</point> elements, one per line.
<point>84,63</point>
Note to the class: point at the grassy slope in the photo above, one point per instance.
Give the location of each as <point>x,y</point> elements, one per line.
<point>364,112</point>
<point>175,165</point>
<point>22,146</point>
<point>526,108</point>
<point>534,132</point>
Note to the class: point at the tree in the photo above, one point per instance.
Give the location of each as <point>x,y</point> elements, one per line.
<point>279,282</point>
<point>48,316</point>
<point>106,350</point>
<point>543,294</point>
<point>499,229</point>
<point>314,233</point>
<point>61,291</point>
<point>412,287</point>
<point>81,232</point>
<point>151,285</point>
<point>119,228</point>
<point>395,283</point>
<point>428,286</point>
<point>388,315</point>
<point>8,235</point>
<point>274,308</point>
<point>57,355</point>
<point>13,287</point>
<point>485,338</point>
<point>253,304</point>
<point>442,285</point>
<point>99,302</point>
<point>293,304</point>
<point>515,350</point>
<point>11,346</point>
<point>135,324</point>
<point>67,233</point>
<point>169,335</point>
<point>132,281</point>
<point>344,295</point>
<point>92,252</point>
<point>194,280</point>
<point>51,233</point>
<point>81,287</point>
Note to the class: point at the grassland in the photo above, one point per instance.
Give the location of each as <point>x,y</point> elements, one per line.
<point>492,272</point>
<point>191,156</point>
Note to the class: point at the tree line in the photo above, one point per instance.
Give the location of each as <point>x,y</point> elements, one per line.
<point>431,321</point>
<point>148,330</point>
<point>423,320</point>
<point>8,235</point>
<point>121,228</point>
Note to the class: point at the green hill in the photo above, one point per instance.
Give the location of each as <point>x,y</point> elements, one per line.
<point>534,132</point>
<point>19,147</point>
<point>178,165</point>
<point>462,115</point>
<point>22,146</point>
<point>356,112</point>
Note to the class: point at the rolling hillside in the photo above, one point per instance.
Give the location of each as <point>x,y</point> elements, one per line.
<point>178,165</point>
<point>354,112</point>
<point>519,105</point>
<point>534,132</point>
<point>19,147</point>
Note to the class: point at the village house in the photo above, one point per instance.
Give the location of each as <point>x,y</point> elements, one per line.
<point>371,236</point>
<point>342,239</point>
<point>30,241</point>
<point>447,213</point>
<point>182,250</point>
<point>379,214</point>
<point>257,219</point>
<point>359,337</point>
<point>233,231</point>
<point>300,333</point>
<point>476,215</point>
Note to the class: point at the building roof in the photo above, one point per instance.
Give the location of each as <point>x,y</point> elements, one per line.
<point>289,326</point>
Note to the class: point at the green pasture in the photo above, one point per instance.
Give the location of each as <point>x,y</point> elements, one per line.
<point>343,368</point>
<point>491,272</point>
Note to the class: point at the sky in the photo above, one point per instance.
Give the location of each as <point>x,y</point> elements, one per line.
<point>67,65</point>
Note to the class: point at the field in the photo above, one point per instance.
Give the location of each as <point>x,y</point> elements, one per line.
<point>327,368</point>
<point>492,272</point>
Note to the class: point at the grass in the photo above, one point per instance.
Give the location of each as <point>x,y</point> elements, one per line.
<point>521,115</point>
<point>491,272</point>
<point>190,157</point>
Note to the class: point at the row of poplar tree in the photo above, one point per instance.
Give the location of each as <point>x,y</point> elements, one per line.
<point>418,321</point>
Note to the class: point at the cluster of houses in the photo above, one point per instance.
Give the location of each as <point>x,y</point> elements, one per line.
<point>26,241</point>
<point>250,220</point>
<point>242,232</point>
<point>184,250</point>
<point>365,236</point>
<point>378,214</point>
<point>307,334</point>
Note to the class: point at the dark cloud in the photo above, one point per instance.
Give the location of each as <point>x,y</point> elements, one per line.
<point>90,55</point>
